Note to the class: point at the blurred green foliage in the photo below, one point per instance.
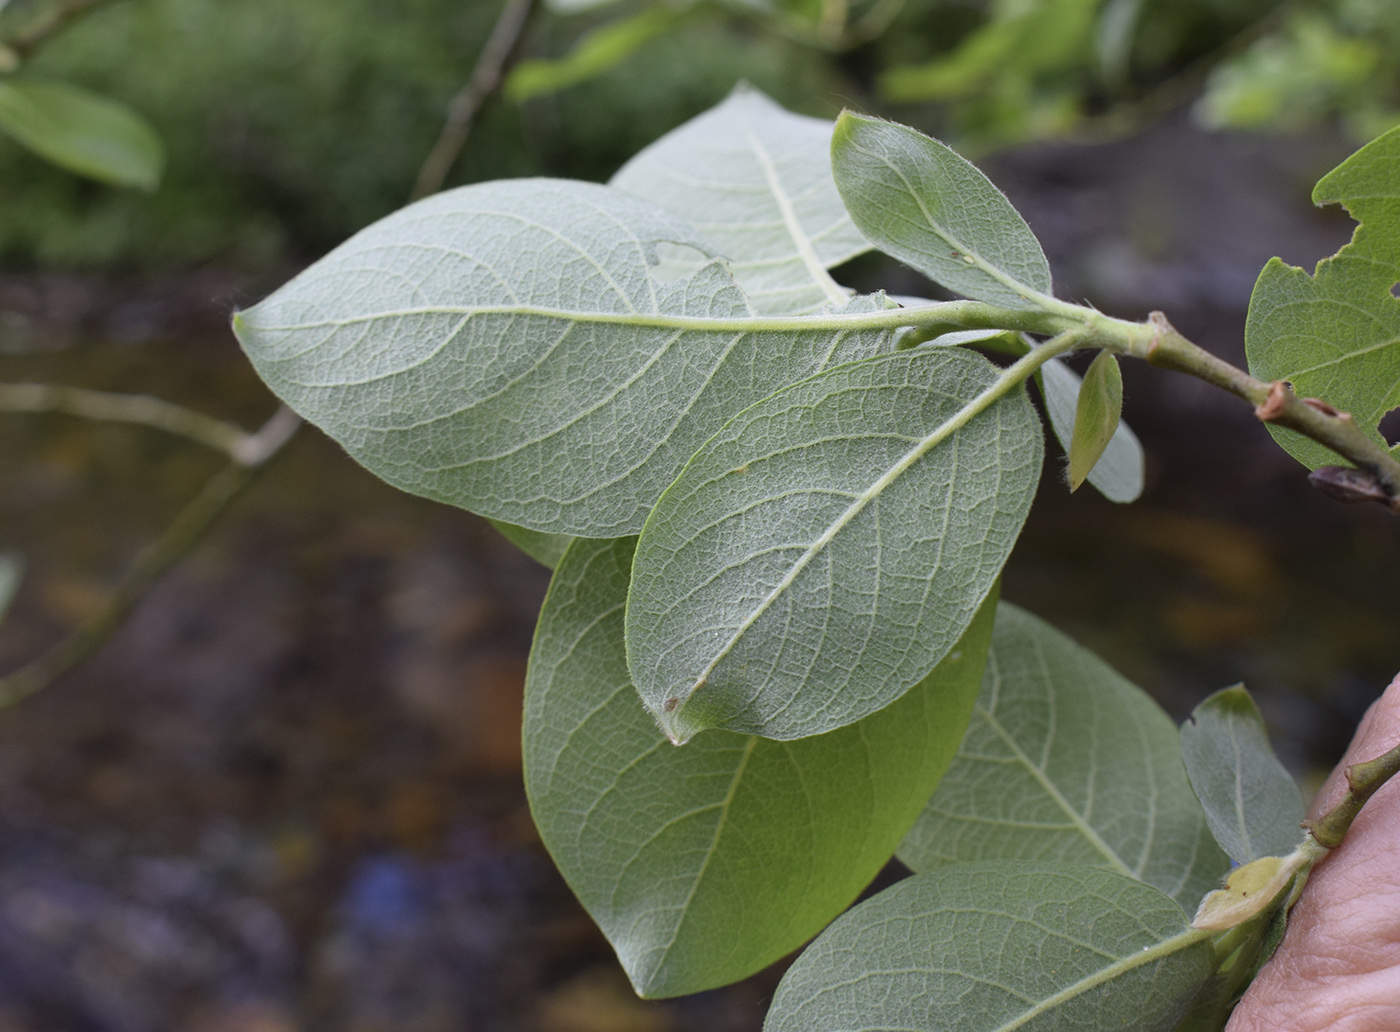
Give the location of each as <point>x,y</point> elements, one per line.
<point>1339,61</point>
<point>289,124</point>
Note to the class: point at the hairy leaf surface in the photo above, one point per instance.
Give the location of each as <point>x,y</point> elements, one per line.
<point>996,946</point>
<point>82,132</point>
<point>1252,803</point>
<point>755,180</point>
<point>1066,760</point>
<point>506,347</point>
<point>919,201</point>
<point>1335,334</point>
<point>823,551</point>
<point>705,863</point>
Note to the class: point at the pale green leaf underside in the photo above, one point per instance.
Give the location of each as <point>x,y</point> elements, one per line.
<point>919,201</point>
<point>506,347</point>
<point>1335,335</point>
<point>545,549</point>
<point>755,181</point>
<point>1118,475</point>
<point>703,864</point>
<point>82,132</point>
<point>1251,802</point>
<point>827,547</point>
<point>996,947</point>
<point>1066,760</point>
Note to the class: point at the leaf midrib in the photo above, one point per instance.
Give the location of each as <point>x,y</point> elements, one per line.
<point>814,265</point>
<point>888,319</point>
<point>1020,289</point>
<point>1053,791</point>
<point>1181,941</point>
<point>1009,378</point>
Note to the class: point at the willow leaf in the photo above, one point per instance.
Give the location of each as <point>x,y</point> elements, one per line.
<point>1066,760</point>
<point>823,551</point>
<point>1120,471</point>
<point>996,946</point>
<point>919,201</point>
<point>1097,415</point>
<point>706,863</point>
<point>1335,334</point>
<point>545,549</point>
<point>83,132</point>
<point>507,347</point>
<point>755,180</point>
<point>1252,803</point>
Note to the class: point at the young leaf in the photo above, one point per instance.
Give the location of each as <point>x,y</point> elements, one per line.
<point>11,569</point>
<point>1118,474</point>
<point>704,864</point>
<point>595,53</point>
<point>996,946</point>
<point>82,132</point>
<point>507,348</point>
<point>545,549</point>
<point>1096,416</point>
<point>755,180</point>
<point>1336,334</point>
<point>1252,803</point>
<point>823,551</point>
<point>1066,760</point>
<point>917,200</point>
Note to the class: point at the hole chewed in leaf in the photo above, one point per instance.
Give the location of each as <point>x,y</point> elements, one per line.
<point>1390,427</point>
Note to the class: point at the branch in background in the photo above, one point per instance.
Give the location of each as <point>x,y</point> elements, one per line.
<point>486,79</point>
<point>251,454</point>
<point>124,408</point>
<point>60,15</point>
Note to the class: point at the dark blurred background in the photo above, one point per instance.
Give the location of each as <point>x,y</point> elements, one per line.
<point>286,794</point>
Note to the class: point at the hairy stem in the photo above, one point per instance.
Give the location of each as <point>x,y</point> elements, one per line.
<point>485,79</point>
<point>250,456</point>
<point>1363,779</point>
<point>1159,343</point>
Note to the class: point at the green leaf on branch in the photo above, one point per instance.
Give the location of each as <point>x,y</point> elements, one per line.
<point>1252,803</point>
<point>995,946</point>
<point>595,53</point>
<point>1021,42</point>
<point>1118,473</point>
<point>1335,335</point>
<point>1096,416</point>
<point>1066,760</point>
<point>522,359</point>
<point>704,864</point>
<point>830,544</point>
<point>82,132</point>
<point>545,549</point>
<point>919,201</point>
<point>755,181</point>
